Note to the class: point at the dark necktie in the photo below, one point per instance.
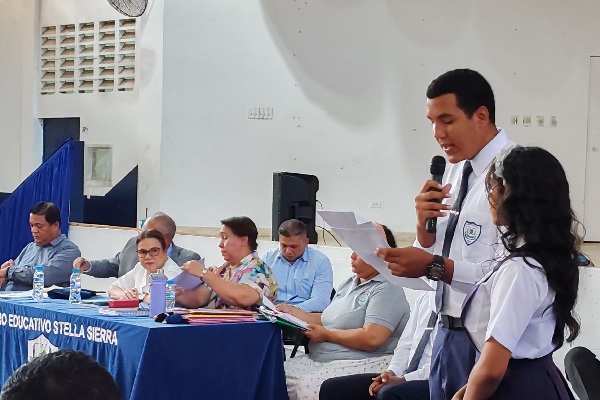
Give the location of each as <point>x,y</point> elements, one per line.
<point>455,213</point>
<point>451,227</point>
<point>439,292</point>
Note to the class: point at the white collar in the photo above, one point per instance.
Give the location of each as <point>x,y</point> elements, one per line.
<point>486,155</point>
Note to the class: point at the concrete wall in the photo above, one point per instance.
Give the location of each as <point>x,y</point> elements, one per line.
<point>346,80</point>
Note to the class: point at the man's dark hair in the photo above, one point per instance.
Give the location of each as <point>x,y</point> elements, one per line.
<point>48,209</point>
<point>64,375</point>
<point>292,227</point>
<point>152,234</point>
<point>243,226</point>
<point>471,89</point>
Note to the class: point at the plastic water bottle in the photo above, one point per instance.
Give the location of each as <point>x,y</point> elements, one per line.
<point>170,296</point>
<point>158,289</point>
<point>75,292</point>
<point>38,284</point>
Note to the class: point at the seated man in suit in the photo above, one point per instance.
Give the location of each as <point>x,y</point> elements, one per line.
<point>304,275</point>
<point>127,258</point>
<point>50,249</point>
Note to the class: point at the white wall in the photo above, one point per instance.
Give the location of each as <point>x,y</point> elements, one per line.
<point>17,90</point>
<point>346,80</point>
<point>130,121</point>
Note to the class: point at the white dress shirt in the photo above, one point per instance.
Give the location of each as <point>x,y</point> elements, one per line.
<point>408,342</point>
<point>514,307</point>
<point>476,239</point>
<point>139,277</point>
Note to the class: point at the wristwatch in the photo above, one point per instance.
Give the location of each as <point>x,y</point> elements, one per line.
<point>436,269</point>
<point>204,272</point>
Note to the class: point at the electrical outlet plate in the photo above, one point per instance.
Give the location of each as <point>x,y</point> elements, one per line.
<point>527,120</point>
<point>375,204</point>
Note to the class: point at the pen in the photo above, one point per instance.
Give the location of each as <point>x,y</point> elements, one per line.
<point>292,298</point>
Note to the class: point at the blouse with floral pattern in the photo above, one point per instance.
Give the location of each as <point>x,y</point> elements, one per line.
<point>253,272</point>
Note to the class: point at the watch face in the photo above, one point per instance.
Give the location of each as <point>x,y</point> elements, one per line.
<point>436,271</point>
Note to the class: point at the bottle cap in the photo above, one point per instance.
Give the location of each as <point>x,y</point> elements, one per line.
<point>39,268</point>
<point>75,270</point>
<point>170,282</point>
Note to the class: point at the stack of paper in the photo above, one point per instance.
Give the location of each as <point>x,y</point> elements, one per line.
<point>123,312</point>
<point>363,238</point>
<point>269,311</point>
<point>204,316</point>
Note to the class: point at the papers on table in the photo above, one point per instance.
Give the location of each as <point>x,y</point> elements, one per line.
<point>269,311</point>
<point>205,316</point>
<point>124,312</point>
<point>16,295</point>
<point>363,238</point>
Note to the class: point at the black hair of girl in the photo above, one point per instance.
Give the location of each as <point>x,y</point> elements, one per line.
<point>152,234</point>
<point>243,226</point>
<point>534,207</point>
<point>389,237</point>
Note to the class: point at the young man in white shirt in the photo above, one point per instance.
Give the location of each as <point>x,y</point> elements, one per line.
<point>461,108</point>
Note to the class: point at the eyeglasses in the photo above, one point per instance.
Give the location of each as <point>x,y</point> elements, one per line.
<point>491,189</point>
<point>153,252</point>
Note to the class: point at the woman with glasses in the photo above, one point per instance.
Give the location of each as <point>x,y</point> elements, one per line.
<point>239,283</point>
<point>152,254</point>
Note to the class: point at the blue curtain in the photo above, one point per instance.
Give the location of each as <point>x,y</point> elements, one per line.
<point>51,181</point>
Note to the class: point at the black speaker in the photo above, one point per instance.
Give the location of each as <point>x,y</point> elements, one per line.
<point>295,196</point>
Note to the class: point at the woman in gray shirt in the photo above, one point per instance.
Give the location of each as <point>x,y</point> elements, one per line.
<point>356,333</point>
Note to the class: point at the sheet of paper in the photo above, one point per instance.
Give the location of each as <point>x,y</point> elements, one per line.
<point>268,303</point>
<point>17,295</point>
<point>363,238</point>
<point>188,281</point>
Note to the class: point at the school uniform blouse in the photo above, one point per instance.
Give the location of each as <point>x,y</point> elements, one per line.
<point>514,307</point>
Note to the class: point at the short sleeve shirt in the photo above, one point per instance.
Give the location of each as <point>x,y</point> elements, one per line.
<point>375,301</point>
<point>514,307</point>
<point>253,272</point>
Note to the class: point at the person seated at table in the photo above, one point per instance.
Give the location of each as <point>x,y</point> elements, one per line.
<point>304,275</point>
<point>244,278</point>
<point>152,253</point>
<point>65,375</point>
<point>50,249</point>
<point>357,332</point>
<point>126,259</point>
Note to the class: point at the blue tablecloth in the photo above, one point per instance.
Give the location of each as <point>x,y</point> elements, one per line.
<point>150,360</point>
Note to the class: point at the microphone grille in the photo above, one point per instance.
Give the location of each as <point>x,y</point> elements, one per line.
<point>438,165</point>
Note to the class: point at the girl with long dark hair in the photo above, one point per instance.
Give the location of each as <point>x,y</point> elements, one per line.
<point>518,314</point>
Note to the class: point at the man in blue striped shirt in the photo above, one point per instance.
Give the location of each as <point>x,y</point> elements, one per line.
<point>304,275</point>
<point>50,249</point>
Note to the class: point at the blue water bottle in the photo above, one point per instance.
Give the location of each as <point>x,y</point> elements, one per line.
<point>158,288</point>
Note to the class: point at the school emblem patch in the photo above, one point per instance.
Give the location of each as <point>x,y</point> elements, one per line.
<point>471,232</point>
<point>39,346</point>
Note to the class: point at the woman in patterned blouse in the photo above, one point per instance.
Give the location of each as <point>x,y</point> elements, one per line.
<point>241,281</point>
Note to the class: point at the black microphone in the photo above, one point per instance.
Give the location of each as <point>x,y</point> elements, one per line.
<point>438,165</point>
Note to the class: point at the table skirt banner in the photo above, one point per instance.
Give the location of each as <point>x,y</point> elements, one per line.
<point>147,359</point>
